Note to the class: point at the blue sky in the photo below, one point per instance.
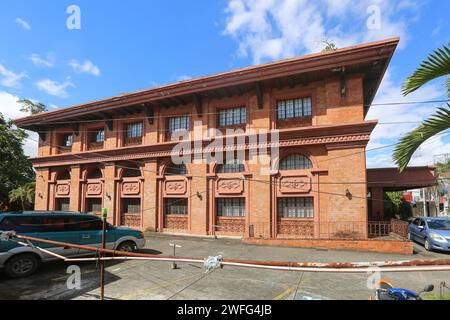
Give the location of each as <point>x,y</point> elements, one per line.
<point>125,46</point>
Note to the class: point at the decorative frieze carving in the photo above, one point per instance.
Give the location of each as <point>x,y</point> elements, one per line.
<point>130,220</point>
<point>94,189</point>
<point>175,187</point>
<point>63,189</point>
<point>295,184</point>
<point>230,186</point>
<point>175,222</point>
<point>232,226</point>
<point>295,228</point>
<point>131,188</point>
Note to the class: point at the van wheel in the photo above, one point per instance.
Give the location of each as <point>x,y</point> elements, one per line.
<point>22,265</point>
<point>127,246</point>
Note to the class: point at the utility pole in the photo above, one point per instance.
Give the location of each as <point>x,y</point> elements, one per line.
<point>424,203</point>
<point>102,262</point>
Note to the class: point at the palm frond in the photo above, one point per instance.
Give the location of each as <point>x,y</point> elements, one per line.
<point>447,86</point>
<point>409,143</point>
<point>437,65</point>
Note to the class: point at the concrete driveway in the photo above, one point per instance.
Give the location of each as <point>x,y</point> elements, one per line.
<point>156,280</point>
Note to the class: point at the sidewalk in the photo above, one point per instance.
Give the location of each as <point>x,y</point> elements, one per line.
<point>156,280</point>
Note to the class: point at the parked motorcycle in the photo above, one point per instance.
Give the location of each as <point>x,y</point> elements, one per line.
<point>386,291</point>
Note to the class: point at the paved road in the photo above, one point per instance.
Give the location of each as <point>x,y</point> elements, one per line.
<point>156,280</point>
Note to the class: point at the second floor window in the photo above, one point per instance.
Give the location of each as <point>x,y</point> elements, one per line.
<point>178,124</point>
<point>231,166</point>
<point>294,108</point>
<point>135,130</point>
<point>67,141</point>
<point>65,144</point>
<point>98,136</point>
<point>232,117</point>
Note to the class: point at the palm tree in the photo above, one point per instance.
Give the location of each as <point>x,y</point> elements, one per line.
<point>23,195</point>
<point>437,65</point>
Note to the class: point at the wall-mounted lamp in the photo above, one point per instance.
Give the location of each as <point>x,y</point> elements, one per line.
<point>348,194</point>
<point>108,196</point>
<point>199,195</point>
<point>40,195</point>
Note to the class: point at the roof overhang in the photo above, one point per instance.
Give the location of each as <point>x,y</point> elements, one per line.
<point>391,179</point>
<point>371,60</point>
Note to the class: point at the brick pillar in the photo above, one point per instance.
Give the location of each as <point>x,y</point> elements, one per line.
<point>42,189</point>
<point>109,194</point>
<point>75,188</point>
<point>377,203</point>
<point>199,205</point>
<point>150,196</point>
<point>259,215</point>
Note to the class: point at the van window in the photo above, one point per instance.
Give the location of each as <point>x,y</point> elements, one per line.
<point>21,224</point>
<point>88,224</point>
<point>72,223</point>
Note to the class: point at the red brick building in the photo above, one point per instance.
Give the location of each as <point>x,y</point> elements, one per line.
<point>116,153</point>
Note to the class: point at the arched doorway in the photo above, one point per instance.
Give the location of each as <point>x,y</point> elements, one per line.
<point>129,195</point>
<point>229,199</point>
<point>62,190</point>
<point>92,190</point>
<point>174,195</point>
<point>295,209</point>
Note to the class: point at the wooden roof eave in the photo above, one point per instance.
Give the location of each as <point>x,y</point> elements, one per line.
<point>382,50</point>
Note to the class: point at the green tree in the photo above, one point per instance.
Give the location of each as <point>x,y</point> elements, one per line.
<point>32,107</point>
<point>23,195</point>
<point>15,168</point>
<point>442,167</point>
<point>329,46</point>
<point>437,65</point>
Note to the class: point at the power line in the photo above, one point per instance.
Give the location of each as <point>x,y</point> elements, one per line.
<point>249,179</point>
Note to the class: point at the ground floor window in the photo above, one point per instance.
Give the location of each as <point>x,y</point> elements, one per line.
<point>94,205</point>
<point>131,205</point>
<point>299,207</point>
<point>231,207</point>
<point>62,204</point>
<point>176,206</point>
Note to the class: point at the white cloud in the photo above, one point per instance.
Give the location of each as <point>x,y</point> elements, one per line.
<point>411,114</point>
<point>183,77</point>
<point>23,23</point>
<point>42,62</point>
<point>11,79</point>
<point>10,109</point>
<point>54,88</point>
<point>85,67</point>
<point>277,29</point>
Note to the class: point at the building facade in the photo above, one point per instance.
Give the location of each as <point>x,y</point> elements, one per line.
<point>118,153</point>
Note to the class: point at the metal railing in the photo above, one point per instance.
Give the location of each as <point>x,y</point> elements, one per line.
<point>304,229</point>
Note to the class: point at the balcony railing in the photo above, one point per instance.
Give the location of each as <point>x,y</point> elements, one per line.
<point>96,145</point>
<point>64,149</point>
<point>133,141</point>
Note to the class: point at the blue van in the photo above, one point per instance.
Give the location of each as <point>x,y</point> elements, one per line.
<point>77,228</point>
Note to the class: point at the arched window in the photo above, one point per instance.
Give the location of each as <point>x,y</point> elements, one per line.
<point>231,166</point>
<point>295,162</point>
<point>176,170</point>
<point>95,174</point>
<point>63,175</point>
<point>131,172</point>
